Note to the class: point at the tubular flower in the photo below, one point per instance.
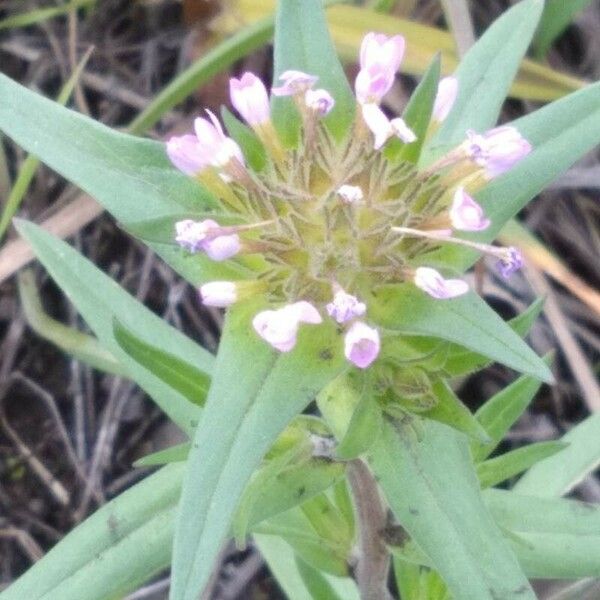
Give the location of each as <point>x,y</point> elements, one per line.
<point>250,98</point>
<point>431,282</point>
<point>361,344</point>
<point>498,150</point>
<point>466,214</point>
<point>445,98</point>
<point>336,210</point>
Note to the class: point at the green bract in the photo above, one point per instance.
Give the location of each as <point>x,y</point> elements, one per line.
<point>255,464</point>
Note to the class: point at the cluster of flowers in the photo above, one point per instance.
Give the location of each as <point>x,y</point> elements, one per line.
<point>210,149</point>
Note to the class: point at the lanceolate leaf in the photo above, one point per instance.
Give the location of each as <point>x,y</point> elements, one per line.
<point>255,393</point>
<point>466,320</point>
<point>429,482</point>
<point>302,43</point>
<point>99,299</point>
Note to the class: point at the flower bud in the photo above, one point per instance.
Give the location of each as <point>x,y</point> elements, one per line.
<point>319,101</point>
<point>497,150</point>
<point>512,262</point>
<point>445,98</point>
<point>382,128</point>
<point>186,154</point>
<point>345,307</point>
<point>466,214</point>
<point>361,344</point>
<point>279,327</point>
<point>432,282</point>
<point>250,98</point>
<point>218,293</point>
<point>350,194</point>
<point>294,82</point>
<point>196,236</point>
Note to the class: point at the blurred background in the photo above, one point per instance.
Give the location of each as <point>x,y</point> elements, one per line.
<point>69,433</point>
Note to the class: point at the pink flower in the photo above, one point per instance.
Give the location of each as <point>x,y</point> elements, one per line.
<point>511,263</point>
<point>350,194</point>
<point>250,98</point>
<point>196,236</point>
<point>218,293</point>
<point>186,154</point>
<point>320,101</point>
<point>361,344</point>
<point>380,58</point>
<point>294,82</point>
<point>497,150</point>
<point>382,128</point>
<point>345,307</point>
<point>445,98</point>
<point>280,327</point>
<point>214,144</point>
<point>466,214</point>
<point>430,281</point>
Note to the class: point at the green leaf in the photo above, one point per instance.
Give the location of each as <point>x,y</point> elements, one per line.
<point>558,14</point>
<point>463,362</point>
<point>417,113</point>
<point>486,73</point>
<point>466,320</point>
<point>417,583</point>
<point>553,538</point>
<point>502,411</point>
<point>42,14</point>
<point>432,489</point>
<point>100,300</point>
<point>254,151</point>
<point>172,454</point>
<point>451,411</point>
<point>559,474</point>
<point>302,43</point>
<point>178,374</point>
<point>560,133</point>
<point>495,470</point>
<point>363,429</point>
<point>112,552</point>
<point>249,404</point>
<point>327,521</point>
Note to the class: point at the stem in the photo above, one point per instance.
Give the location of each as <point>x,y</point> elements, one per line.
<point>374,559</point>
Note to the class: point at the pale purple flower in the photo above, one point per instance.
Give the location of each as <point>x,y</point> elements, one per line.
<point>361,344</point>
<point>466,214</point>
<point>497,150</point>
<point>294,82</point>
<point>445,98</point>
<point>214,144</point>
<point>196,236</point>
<point>350,194</point>
<point>280,327</point>
<point>382,128</point>
<point>218,293</point>
<point>250,98</point>
<point>320,101</point>
<point>345,307</point>
<point>511,263</point>
<point>372,84</point>
<point>432,282</point>
<point>186,154</point>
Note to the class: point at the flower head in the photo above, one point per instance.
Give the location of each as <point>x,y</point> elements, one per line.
<point>445,98</point>
<point>432,282</point>
<point>320,101</point>
<point>512,262</point>
<point>498,150</point>
<point>466,214</point>
<point>219,293</point>
<point>186,154</point>
<point>218,149</point>
<point>280,327</point>
<point>361,344</point>
<point>250,98</point>
<point>294,82</point>
<point>206,236</point>
<point>345,307</point>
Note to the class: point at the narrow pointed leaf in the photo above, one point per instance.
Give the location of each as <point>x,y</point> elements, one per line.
<point>172,454</point>
<point>302,43</point>
<point>252,148</point>
<point>363,429</point>
<point>466,320</point>
<point>249,404</point>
